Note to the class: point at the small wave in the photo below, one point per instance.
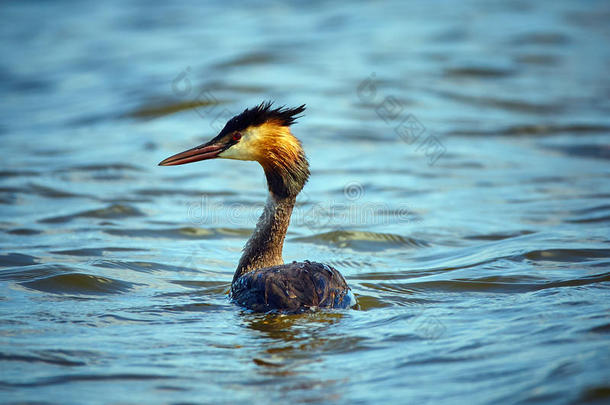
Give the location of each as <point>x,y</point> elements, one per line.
<point>51,192</point>
<point>188,232</point>
<point>255,58</point>
<point>567,255</point>
<point>78,283</point>
<point>362,240</point>
<point>113,211</point>
<point>367,302</point>
<point>10,194</point>
<point>33,272</point>
<point>499,236</point>
<point>167,108</point>
<point>88,252</point>
<point>24,231</point>
<point>120,319</point>
<point>100,167</point>
<point>43,357</point>
<point>212,286</point>
<point>605,328</point>
<point>156,192</point>
<point>71,378</point>
<point>349,263</point>
<point>140,266</point>
<point>503,103</point>
<point>17,173</point>
<point>268,363</point>
<point>239,88</point>
<point>587,151</point>
<point>194,307</point>
<point>592,210</point>
<point>479,72</point>
<point>390,275</point>
<point>501,284</point>
<point>537,59</point>
<point>591,220</point>
<point>541,38</point>
<point>536,130</point>
<point>17,259</point>
<point>219,291</point>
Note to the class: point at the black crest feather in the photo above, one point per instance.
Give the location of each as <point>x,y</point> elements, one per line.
<point>262,113</point>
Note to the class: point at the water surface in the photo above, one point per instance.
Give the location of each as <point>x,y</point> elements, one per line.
<point>460,181</point>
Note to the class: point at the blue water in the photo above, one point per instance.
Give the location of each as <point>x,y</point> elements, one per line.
<point>460,181</point>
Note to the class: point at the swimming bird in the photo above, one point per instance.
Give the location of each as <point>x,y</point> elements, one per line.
<point>262,282</point>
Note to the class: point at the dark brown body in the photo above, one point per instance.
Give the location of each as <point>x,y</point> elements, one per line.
<point>295,287</point>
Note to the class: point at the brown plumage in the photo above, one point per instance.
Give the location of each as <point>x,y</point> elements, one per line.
<point>294,287</point>
<point>261,281</point>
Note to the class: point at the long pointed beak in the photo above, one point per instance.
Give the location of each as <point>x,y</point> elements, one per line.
<point>201,152</point>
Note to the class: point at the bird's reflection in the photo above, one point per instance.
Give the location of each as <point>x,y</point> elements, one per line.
<point>295,345</point>
<point>292,328</point>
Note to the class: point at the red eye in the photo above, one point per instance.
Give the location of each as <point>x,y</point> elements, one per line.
<point>236,136</point>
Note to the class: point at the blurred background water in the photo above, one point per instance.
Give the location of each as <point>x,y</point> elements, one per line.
<point>460,181</point>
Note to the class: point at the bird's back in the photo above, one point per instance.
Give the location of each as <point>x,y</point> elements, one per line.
<point>294,287</point>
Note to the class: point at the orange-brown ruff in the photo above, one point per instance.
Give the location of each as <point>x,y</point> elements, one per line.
<point>262,282</point>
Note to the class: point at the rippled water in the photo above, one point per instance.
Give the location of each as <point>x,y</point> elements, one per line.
<point>460,182</point>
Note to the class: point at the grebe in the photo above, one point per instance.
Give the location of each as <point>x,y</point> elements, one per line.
<point>262,282</point>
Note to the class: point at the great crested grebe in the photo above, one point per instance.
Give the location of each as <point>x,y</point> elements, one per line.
<point>262,282</point>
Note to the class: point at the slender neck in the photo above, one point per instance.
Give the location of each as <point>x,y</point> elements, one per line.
<point>287,171</point>
<point>264,248</point>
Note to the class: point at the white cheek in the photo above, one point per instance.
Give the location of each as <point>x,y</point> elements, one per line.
<point>233,152</point>
<point>245,149</point>
<point>239,151</point>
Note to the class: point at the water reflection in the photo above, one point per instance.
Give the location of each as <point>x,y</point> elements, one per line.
<point>294,347</point>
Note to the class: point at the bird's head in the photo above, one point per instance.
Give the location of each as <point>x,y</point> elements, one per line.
<point>260,134</point>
